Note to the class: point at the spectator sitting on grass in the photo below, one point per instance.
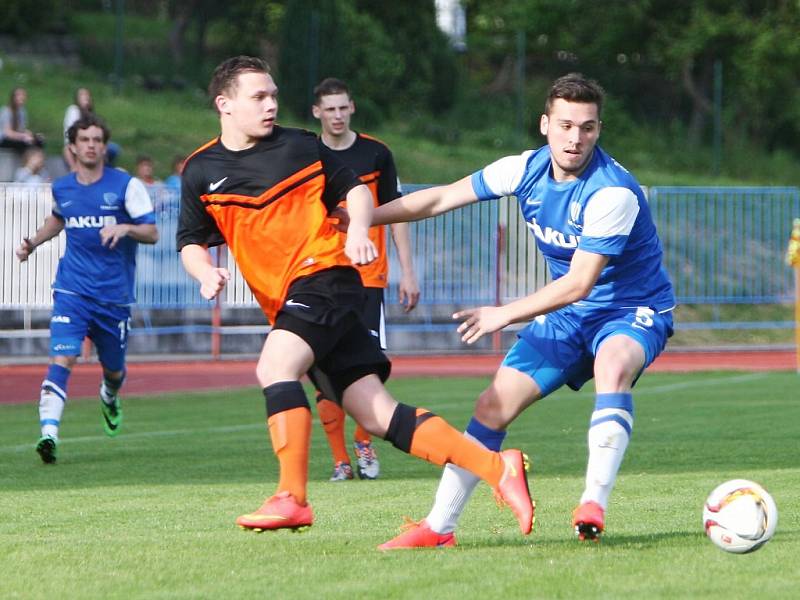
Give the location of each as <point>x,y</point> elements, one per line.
<point>174,180</point>
<point>32,169</point>
<point>14,132</point>
<point>144,170</point>
<point>83,106</point>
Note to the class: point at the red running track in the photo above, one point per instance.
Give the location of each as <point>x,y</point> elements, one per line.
<point>20,383</point>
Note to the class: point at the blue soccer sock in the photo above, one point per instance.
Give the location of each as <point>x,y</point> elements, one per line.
<point>609,433</point>
<point>491,438</point>
<point>52,398</point>
<point>457,484</point>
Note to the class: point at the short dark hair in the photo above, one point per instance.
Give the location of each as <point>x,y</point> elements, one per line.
<point>225,75</point>
<point>144,158</point>
<point>574,87</point>
<point>86,121</point>
<point>330,86</point>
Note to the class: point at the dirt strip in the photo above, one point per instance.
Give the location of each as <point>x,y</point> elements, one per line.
<point>20,383</point>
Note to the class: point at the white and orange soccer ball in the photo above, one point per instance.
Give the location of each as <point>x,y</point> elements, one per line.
<point>739,516</point>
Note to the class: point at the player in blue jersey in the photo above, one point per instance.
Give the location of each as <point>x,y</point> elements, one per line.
<point>605,315</point>
<point>106,213</point>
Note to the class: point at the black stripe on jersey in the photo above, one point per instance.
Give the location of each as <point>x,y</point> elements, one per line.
<point>269,201</point>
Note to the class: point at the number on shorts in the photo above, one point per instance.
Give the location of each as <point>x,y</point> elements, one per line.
<point>123,330</point>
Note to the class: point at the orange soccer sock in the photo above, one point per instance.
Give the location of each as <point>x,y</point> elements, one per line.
<point>427,436</point>
<point>290,432</point>
<point>361,434</point>
<point>331,416</point>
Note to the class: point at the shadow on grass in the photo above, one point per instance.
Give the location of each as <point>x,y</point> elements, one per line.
<point>572,544</point>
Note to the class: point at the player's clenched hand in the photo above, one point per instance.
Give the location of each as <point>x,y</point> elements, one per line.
<point>359,248</point>
<point>110,235</point>
<point>25,249</point>
<point>213,281</point>
<point>476,322</point>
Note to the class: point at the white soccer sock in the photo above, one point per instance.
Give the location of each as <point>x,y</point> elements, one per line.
<point>109,389</point>
<point>455,488</point>
<point>106,394</point>
<point>51,407</point>
<point>608,440</point>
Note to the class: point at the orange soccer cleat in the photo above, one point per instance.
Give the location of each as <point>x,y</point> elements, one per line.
<point>513,489</point>
<point>589,521</point>
<point>418,534</point>
<point>280,511</point>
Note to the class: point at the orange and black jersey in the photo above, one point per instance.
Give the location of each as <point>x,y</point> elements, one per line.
<point>373,162</point>
<point>269,203</point>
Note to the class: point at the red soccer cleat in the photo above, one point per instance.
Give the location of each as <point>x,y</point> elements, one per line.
<point>280,511</point>
<point>513,489</point>
<point>419,535</point>
<point>589,521</point>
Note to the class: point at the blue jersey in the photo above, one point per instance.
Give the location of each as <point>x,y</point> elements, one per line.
<point>603,211</point>
<point>88,268</point>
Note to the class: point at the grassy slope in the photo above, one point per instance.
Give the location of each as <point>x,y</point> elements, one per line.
<point>161,125</point>
<point>164,124</point>
<point>150,514</point>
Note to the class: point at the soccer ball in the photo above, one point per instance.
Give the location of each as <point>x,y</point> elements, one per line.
<point>739,516</point>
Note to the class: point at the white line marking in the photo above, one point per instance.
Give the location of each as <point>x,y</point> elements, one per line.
<point>141,435</point>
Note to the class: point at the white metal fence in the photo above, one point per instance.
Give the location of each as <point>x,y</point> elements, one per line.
<point>23,208</point>
<point>477,255</point>
<point>722,245</point>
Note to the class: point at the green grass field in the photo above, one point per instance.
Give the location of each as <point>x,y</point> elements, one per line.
<point>151,513</point>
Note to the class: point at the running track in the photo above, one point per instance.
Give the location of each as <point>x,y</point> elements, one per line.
<point>20,383</point>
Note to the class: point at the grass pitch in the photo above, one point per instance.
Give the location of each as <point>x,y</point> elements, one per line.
<point>151,513</point>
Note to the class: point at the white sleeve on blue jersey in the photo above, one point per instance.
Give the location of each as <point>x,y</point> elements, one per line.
<point>137,201</point>
<point>502,177</point>
<point>56,210</point>
<point>608,220</point>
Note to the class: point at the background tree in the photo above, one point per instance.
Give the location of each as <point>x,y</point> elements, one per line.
<point>23,18</point>
<point>330,38</point>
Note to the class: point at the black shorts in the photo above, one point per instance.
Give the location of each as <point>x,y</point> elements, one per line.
<point>325,310</point>
<point>373,315</point>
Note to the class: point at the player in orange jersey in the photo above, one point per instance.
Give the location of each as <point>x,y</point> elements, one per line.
<point>266,191</point>
<point>372,161</point>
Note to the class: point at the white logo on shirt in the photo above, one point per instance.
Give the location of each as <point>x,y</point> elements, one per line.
<point>97,222</point>
<point>550,236</point>
<point>212,187</point>
<point>291,302</point>
<point>533,202</point>
<point>574,213</point>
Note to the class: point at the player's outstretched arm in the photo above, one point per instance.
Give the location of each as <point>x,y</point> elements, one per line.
<point>408,290</point>
<point>196,260</point>
<point>358,246</point>
<point>51,227</point>
<point>583,272</point>
<point>426,203</point>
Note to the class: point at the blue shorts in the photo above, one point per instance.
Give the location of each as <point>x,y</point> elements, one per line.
<point>76,317</point>
<point>560,347</point>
